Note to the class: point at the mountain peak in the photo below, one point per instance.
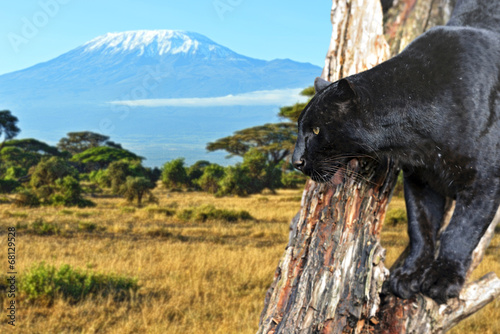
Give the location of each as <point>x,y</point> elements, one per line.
<point>156,42</point>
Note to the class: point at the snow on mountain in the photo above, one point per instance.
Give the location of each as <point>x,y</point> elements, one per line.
<point>74,91</point>
<point>157,42</point>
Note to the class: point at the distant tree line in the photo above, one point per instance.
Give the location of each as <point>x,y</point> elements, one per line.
<point>88,162</point>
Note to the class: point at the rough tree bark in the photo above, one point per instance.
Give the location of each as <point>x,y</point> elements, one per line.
<point>331,277</point>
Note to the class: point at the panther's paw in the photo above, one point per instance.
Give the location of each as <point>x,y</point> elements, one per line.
<point>443,280</point>
<point>405,282</point>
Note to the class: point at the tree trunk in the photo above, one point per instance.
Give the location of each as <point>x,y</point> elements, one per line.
<point>331,277</point>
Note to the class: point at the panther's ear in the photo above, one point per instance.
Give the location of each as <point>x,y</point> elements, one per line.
<point>346,90</point>
<point>320,84</point>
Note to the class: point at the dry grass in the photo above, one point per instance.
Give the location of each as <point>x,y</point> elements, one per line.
<point>195,277</point>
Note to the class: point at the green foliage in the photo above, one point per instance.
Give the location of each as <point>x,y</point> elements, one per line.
<point>209,212</point>
<point>26,198</point>
<point>116,175</point>
<point>78,142</point>
<point>100,177</point>
<point>12,156</point>
<point>209,181</point>
<point>8,127</point>
<point>396,216</point>
<point>33,146</point>
<point>8,186</point>
<point>152,210</point>
<point>258,174</point>
<point>174,174</point>
<point>15,172</point>
<point>88,227</point>
<point>235,182</point>
<point>40,227</point>
<point>69,193</point>
<point>276,141</point>
<point>293,112</point>
<point>136,187</point>
<point>55,182</point>
<point>49,170</point>
<point>101,157</point>
<point>45,283</point>
<point>18,156</point>
<point>196,171</point>
<point>293,179</point>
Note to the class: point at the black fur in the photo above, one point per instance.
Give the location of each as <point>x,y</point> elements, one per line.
<point>436,108</point>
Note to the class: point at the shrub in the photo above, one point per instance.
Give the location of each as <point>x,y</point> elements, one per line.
<point>211,177</point>
<point>396,216</point>
<point>49,170</point>
<point>174,174</point>
<point>26,197</point>
<point>152,210</point>
<point>196,171</point>
<point>209,212</point>
<point>235,182</point>
<point>44,282</point>
<point>293,180</point>
<point>8,186</point>
<point>116,175</point>
<point>136,187</point>
<point>40,227</point>
<point>87,226</point>
<point>100,177</point>
<point>69,193</point>
<point>15,172</point>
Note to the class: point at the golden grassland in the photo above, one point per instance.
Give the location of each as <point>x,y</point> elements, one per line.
<point>194,277</point>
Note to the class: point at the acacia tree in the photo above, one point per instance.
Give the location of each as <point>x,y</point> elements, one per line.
<point>77,142</point>
<point>136,187</point>
<point>331,277</point>
<point>8,127</point>
<point>274,140</point>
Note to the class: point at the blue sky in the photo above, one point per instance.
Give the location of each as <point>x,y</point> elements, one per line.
<point>33,31</point>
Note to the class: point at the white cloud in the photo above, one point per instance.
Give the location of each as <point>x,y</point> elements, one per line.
<point>277,97</point>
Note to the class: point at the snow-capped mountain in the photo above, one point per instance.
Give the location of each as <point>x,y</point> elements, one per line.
<point>158,43</point>
<point>74,91</point>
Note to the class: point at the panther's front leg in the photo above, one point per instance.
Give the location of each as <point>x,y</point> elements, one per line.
<point>425,210</point>
<point>474,211</point>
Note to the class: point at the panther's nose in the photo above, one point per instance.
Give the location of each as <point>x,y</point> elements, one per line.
<point>299,164</point>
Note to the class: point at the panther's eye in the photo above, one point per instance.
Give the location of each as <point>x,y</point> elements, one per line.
<point>316,130</point>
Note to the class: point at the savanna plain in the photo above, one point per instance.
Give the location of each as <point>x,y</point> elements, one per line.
<point>200,264</point>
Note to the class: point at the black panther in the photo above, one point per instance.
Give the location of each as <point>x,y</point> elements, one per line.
<point>435,108</point>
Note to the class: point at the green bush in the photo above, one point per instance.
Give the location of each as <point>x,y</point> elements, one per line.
<point>49,170</point>
<point>45,283</point>
<point>69,193</point>
<point>41,227</point>
<point>195,171</point>
<point>293,179</point>
<point>88,227</point>
<point>396,216</point>
<point>174,175</point>
<point>26,197</point>
<point>136,187</point>
<point>209,212</point>
<point>209,180</point>
<point>15,172</point>
<point>235,182</point>
<point>8,186</point>
<point>152,210</point>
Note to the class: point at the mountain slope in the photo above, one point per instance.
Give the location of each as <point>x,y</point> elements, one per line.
<point>72,92</point>
<point>180,64</point>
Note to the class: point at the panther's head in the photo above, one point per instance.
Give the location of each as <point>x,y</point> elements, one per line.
<point>328,132</point>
